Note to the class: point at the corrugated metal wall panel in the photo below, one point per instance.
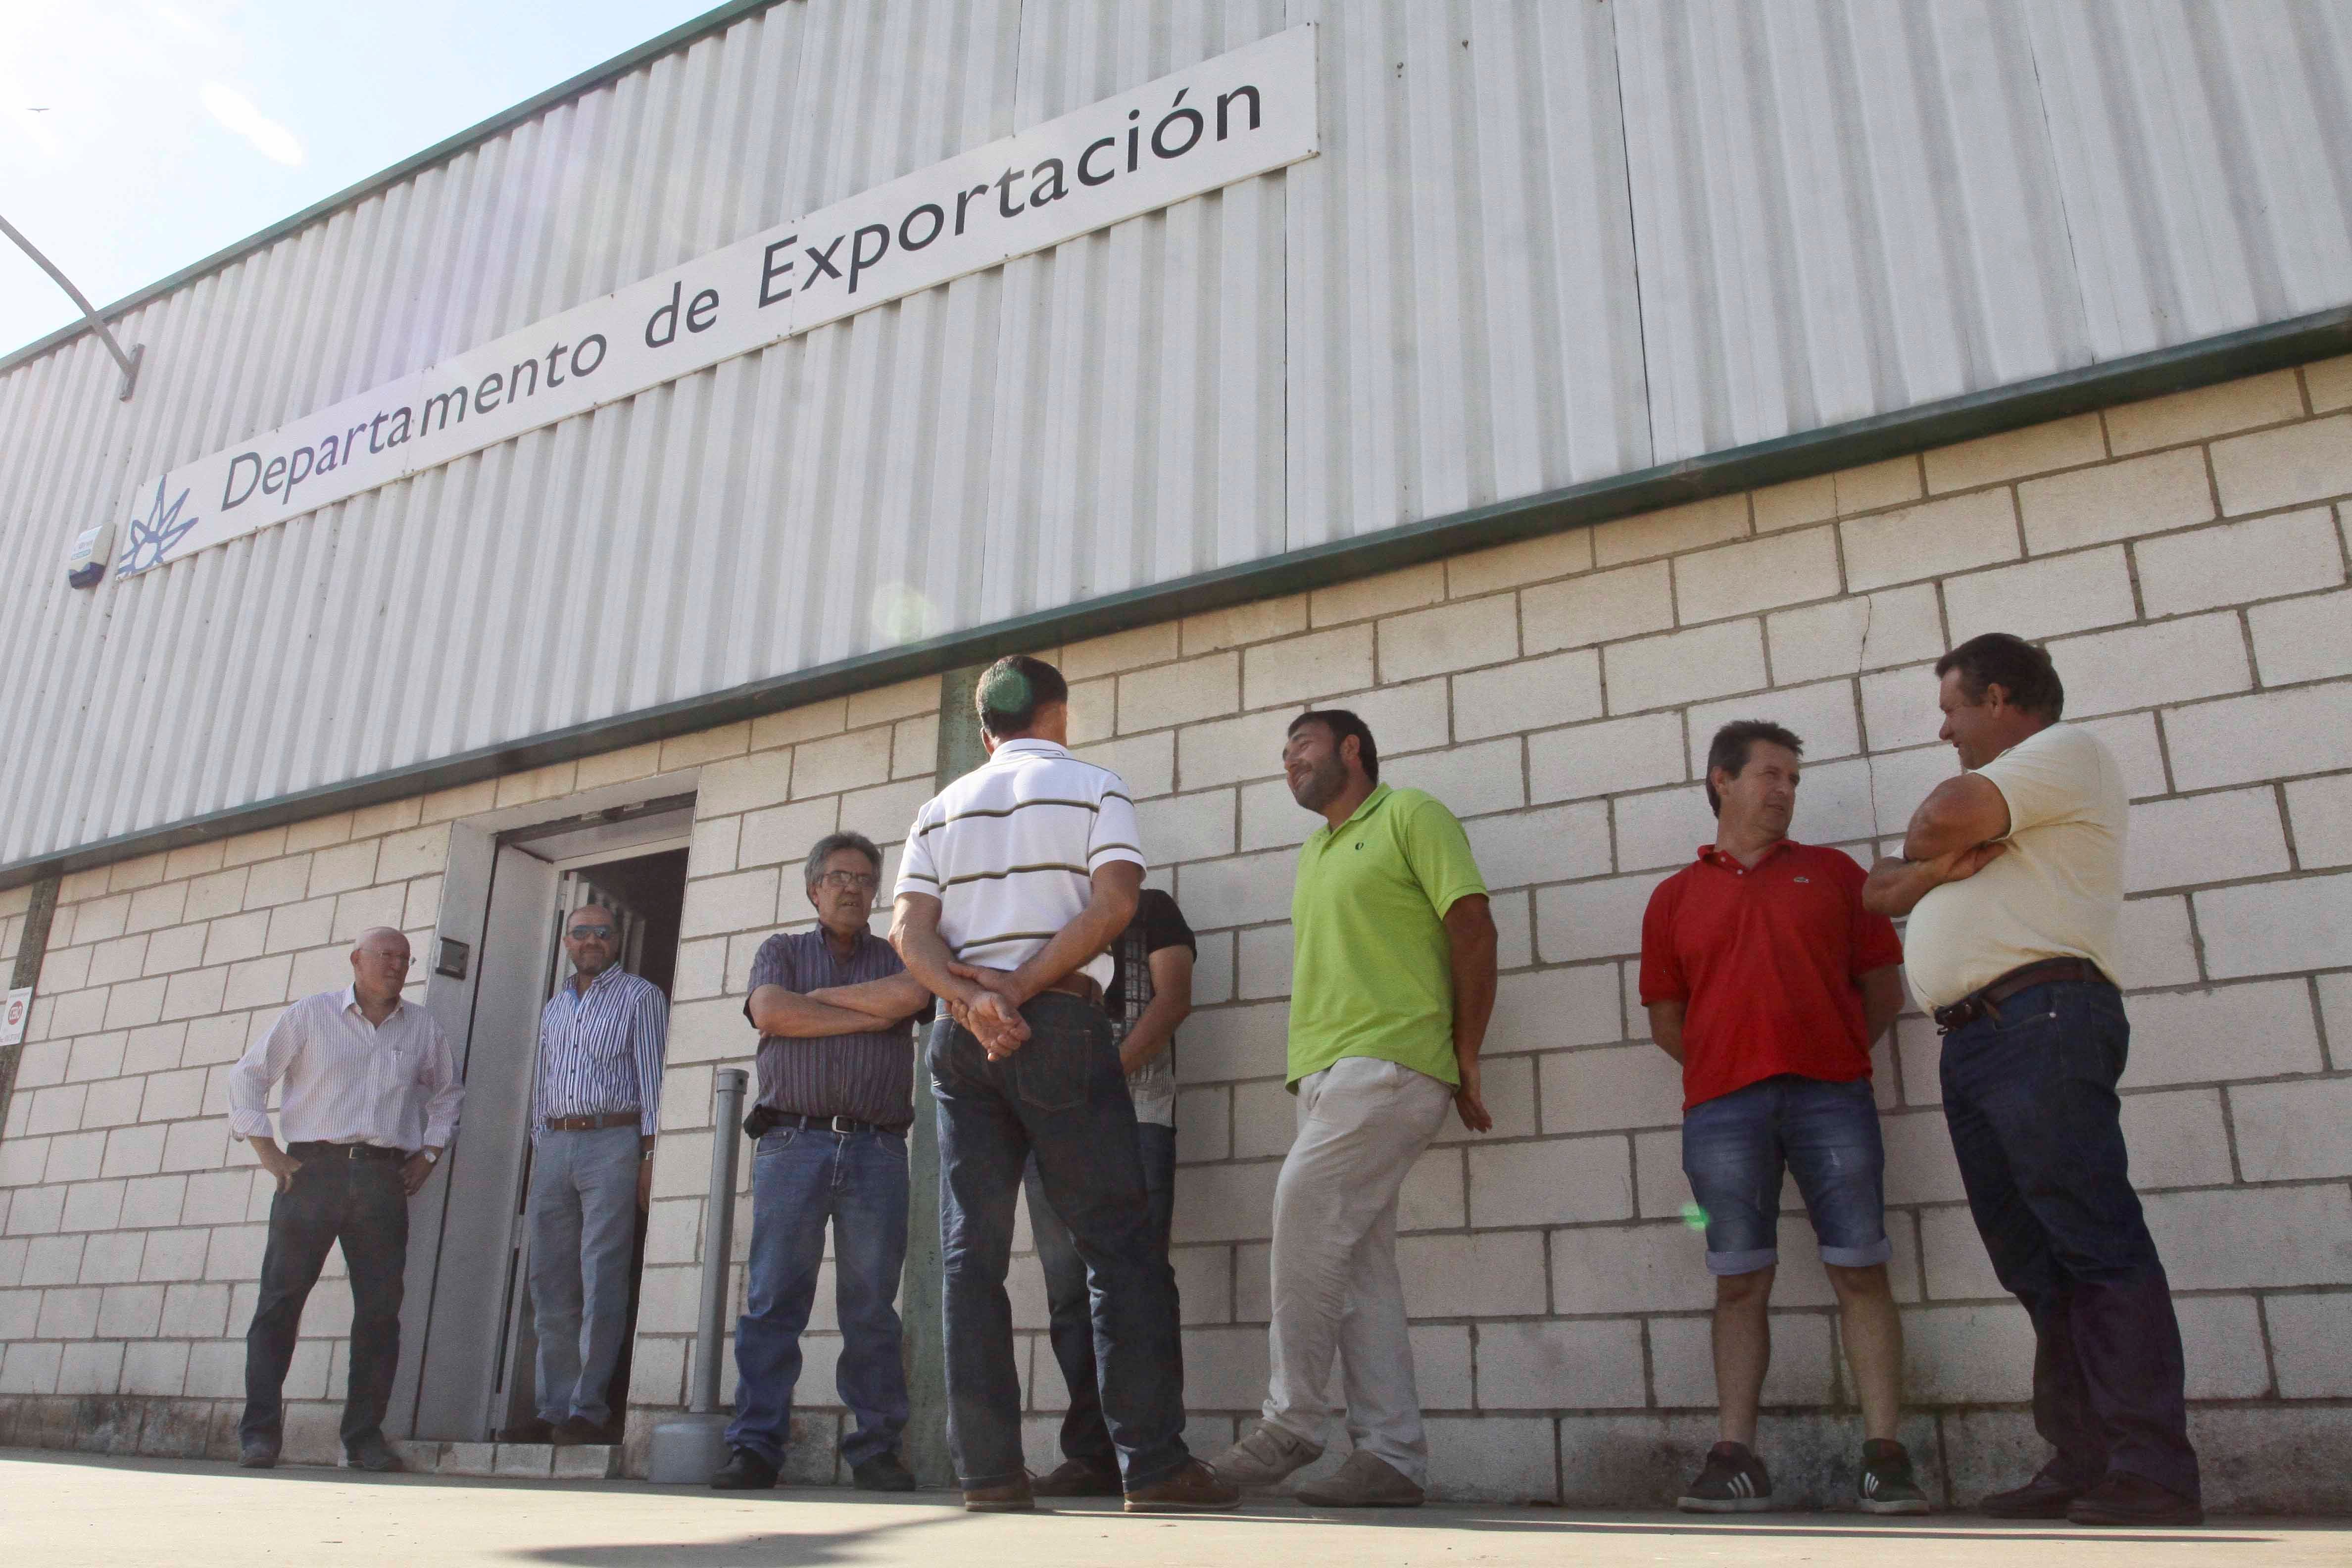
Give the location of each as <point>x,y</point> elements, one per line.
<point>1547,242</point>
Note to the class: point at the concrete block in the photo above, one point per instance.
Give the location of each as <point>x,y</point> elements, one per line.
<point>74,1157</point>
<point>112,1101</point>
<point>2139,667</point>
<point>1258,621</point>
<point>1670,531</point>
<point>1264,1120</point>
<point>91,1205</point>
<point>1128,649</point>
<point>469,1460</point>
<point>1684,666</point>
<point>2221,410</point>
<point>680,752</point>
<point>155,908</point>
<point>176,1254</point>
<point>1222,1044</point>
<point>2329,383</point>
<point>1607,758</point>
<point>1757,575</point>
<point>30,1368</point>
<point>1553,1180</point>
<point>2264,1459</point>
<point>193,1312</point>
<point>1661,828</point>
<point>1432,1196</point>
<point>1224,1369</point>
<point>1803,1371</point>
<point>2154,944</point>
<point>915,747</point>
<point>1598,1269</point>
<point>1931,539</point>
<point>2131,739</point>
<point>1528,694</point>
<point>174,948</point>
<point>2239,563</point>
<point>1226,1202</point>
<point>1548,1009</point>
<point>1263,966</point>
<point>2042,598</point>
<point>1204,1283</point>
<point>1271,819</point>
<point>783,835</point>
<point>2178,1140</point>
<point>1794,503</point>
<point>1242,891</point>
<point>1516,565</point>
<point>1953,1262</point>
<point>2015,454</point>
<point>1180,693</point>
<point>2218,837</point>
<point>1499,1275</point>
<point>883,814</point>
<point>522,1460</point>
<point>1583,920</point>
<point>2233,1238</point>
<point>1920,1166</point>
<point>2222,1339</point>
<point>1550,844</point>
<point>1968,1355</point>
<point>1604,607</point>
<point>196,1145</point>
<point>2292,1131</point>
<point>1822,713</point>
<point>1448,637</point>
<point>587,1462</point>
<point>1297,669</point>
<point>342,869</point>
<point>2272,928</point>
<point>2255,739</point>
<point>125,958</point>
<point>94,1368</point>
<point>2302,640</point>
<point>220,893</point>
<point>1220,752</point>
<point>2320,811</point>
<point>1581,1365</point>
<point>103,920</point>
<point>2295,463</point>
<point>2116,500</point>
<point>1382,596</point>
<point>1610,1089</point>
<point>364,908</point>
<point>1659,1185</point>
<point>841,763</point>
<point>2311,1339</point>
<point>1405,718</point>
<point>743,901</point>
<point>1471,780</point>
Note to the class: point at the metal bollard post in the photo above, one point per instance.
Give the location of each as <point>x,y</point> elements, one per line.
<point>689,1449</point>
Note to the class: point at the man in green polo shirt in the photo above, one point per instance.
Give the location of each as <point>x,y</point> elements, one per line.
<point>1393,982</point>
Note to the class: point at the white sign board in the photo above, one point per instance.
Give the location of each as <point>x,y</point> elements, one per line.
<point>1198,130</point>
<point>13,1013</point>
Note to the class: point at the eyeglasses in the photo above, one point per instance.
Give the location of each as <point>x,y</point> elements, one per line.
<point>845,880</point>
<point>591,933</point>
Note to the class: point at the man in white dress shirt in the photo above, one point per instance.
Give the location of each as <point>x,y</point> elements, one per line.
<point>370,1102</point>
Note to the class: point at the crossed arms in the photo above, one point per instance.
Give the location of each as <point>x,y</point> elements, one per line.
<point>1956,832</point>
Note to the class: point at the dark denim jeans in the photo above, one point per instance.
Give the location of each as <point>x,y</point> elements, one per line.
<point>2029,1096</point>
<point>800,1179</point>
<point>360,1204</point>
<point>1084,1436</point>
<point>1063,1097</point>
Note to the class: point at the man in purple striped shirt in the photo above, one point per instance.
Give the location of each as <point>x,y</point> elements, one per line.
<point>836,1094</point>
<point>593,1112</point>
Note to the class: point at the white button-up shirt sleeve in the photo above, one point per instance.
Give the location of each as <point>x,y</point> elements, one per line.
<point>448,1088</point>
<point>257,1071</point>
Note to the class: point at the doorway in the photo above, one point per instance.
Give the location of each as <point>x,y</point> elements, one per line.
<point>477,1365</point>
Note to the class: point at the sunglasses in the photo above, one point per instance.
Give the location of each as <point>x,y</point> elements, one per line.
<point>587,933</point>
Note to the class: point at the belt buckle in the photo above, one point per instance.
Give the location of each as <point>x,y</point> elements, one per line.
<point>844,1124</point>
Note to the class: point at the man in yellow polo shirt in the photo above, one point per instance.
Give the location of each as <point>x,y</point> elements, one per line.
<point>1392,986</point>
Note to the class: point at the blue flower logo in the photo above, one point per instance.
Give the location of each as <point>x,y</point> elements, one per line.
<point>152,536</point>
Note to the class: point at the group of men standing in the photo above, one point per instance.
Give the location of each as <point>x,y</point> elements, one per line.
<point>1054,983</point>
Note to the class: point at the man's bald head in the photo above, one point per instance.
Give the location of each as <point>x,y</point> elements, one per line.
<point>379,964</point>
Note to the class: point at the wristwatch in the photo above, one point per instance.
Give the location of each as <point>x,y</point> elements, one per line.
<point>431,1156</point>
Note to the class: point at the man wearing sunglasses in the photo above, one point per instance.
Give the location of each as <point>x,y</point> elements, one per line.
<point>600,1042</point>
<point>836,1095</point>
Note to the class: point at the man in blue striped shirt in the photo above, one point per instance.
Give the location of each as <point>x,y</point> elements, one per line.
<point>598,1100</point>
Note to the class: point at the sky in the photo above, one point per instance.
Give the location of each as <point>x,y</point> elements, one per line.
<point>137,136</point>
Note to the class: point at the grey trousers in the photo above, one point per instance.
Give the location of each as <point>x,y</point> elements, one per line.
<point>582,1213</point>
<point>1361,1124</point>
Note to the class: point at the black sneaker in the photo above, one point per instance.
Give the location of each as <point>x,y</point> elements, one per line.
<point>1887,1485</point>
<point>745,1471</point>
<point>882,1473</point>
<point>1734,1481</point>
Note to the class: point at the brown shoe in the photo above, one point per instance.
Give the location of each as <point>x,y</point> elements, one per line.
<point>1079,1477</point>
<point>576,1432</point>
<point>1366,1481</point>
<point>1192,1487</point>
<point>1012,1498</point>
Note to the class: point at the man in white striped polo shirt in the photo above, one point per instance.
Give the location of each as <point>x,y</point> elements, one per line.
<point>1014,882</point>
<point>598,1100</point>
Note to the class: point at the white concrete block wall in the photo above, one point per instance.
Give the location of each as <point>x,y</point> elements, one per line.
<point>2186,559</point>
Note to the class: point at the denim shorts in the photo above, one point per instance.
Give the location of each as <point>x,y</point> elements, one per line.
<point>1736,1146</point>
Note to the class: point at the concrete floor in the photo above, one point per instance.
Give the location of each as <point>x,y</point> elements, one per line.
<point>67,1509</point>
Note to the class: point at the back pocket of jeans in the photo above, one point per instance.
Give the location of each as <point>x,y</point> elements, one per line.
<point>1050,1071</point>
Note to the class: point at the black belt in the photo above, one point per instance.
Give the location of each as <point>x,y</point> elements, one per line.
<point>321,1151</point>
<point>842,1124</point>
<point>1986,1000</point>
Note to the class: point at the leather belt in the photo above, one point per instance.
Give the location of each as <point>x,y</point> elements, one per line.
<point>321,1150</point>
<point>1082,986</point>
<point>593,1123</point>
<point>843,1124</point>
<point>1986,1000</point>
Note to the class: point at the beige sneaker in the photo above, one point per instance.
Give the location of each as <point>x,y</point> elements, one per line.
<point>1364,1481</point>
<point>1265,1457</point>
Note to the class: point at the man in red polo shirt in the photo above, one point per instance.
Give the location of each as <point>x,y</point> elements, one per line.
<point>1766,978</point>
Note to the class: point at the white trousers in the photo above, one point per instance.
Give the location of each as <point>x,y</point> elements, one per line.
<point>1361,1124</point>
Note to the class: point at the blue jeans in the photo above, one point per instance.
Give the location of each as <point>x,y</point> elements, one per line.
<point>1736,1146</point>
<point>583,1215</point>
<point>1063,1097</point>
<point>800,1179</point>
<point>2030,1095</point>
<point>1084,1436</point>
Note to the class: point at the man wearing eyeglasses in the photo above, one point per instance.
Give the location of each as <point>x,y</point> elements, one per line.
<point>836,1095</point>
<point>600,1042</point>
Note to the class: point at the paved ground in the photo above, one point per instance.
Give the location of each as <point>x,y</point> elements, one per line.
<point>69,1510</point>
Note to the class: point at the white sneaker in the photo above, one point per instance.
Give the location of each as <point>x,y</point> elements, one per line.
<point>1265,1457</point>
